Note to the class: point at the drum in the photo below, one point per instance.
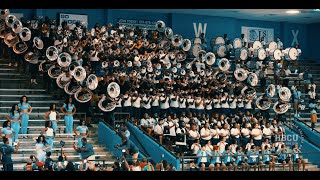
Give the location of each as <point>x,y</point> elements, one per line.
<point>220,50</point>
<point>260,53</point>
<point>257,45</point>
<point>237,43</point>
<point>275,54</point>
<point>291,54</point>
<point>196,49</point>
<point>272,45</point>
<point>241,53</point>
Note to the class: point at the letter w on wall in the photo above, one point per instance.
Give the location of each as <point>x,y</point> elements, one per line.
<point>200,30</point>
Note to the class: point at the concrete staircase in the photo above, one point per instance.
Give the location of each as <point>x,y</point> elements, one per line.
<point>13,85</point>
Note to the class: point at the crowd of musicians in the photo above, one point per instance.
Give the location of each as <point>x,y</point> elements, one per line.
<point>204,102</point>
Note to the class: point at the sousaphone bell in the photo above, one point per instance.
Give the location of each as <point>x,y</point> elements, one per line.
<point>64,59</point>
<point>210,58</point>
<point>25,34</point>
<point>52,53</point>
<point>83,95</point>
<point>240,74</point>
<point>4,13</point>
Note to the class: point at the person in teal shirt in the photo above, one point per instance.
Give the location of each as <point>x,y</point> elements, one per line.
<point>15,119</point>
<point>283,157</point>
<point>25,109</point>
<point>5,154</point>
<point>68,109</point>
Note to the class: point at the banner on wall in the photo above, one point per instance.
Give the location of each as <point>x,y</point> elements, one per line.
<point>255,33</point>
<point>73,18</point>
<point>149,25</point>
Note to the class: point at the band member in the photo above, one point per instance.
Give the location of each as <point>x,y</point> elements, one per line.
<point>182,105</point>
<point>155,105</point>
<point>313,112</point>
<point>191,104</point>
<point>25,109</point>
<point>54,116</point>
<point>284,158</point>
<point>174,103</point>
<point>296,100</point>
<point>136,104</point>
<point>263,102</point>
<point>296,157</point>
<point>127,105</point>
<point>48,135</point>
<point>164,105</point>
<point>7,132</point>
<point>68,109</point>
<point>15,118</point>
<point>81,131</point>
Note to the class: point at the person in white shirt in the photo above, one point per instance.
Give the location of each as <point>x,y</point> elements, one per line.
<point>182,104</point>
<point>244,41</point>
<point>225,133</point>
<point>208,106</point>
<point>127,105</point>
<point>267,132</point>
<point>248,104</point>
<point>240,104</point>
<point>216,104</point>
<point>222,145</point>
<point>147,123</point>
<point>235,133</point>
<point>174,103</point>
<point>256,134</point>
<point>164,105</point>
<point>170,131</point>
<point>158,131</point>
<point>155,105</point>
<point>232,104</point>
<point>225,105</point>
<point>193,134</point>
<point>287,73</point>
<point>215,138</point>
<point>191,104</point>
<point>136,104</point>
<point>146,104</point>
<point>181,139</point>
<point>205,134</point>
<point>245,132</point>
<point>195,147</point>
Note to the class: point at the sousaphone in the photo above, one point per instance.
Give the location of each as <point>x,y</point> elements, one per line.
<point>83,95</point>
<point>10,19</point>
<point>4,13</point>
<point>20,47</point>
<point>72,87</point>
<point>240,74</point>
<point>168,32</point>
<point>271,90</point>
<point>281,108</point>
<point>186,45</point>
<point>262,106</point>
<point>16,26</point>
<point>79,73</point>
<point>113,90</point>
<point>92,82</point>
<point>38,43</point>
<point>54,71</point>
<point>284,93</point>
<point>11,39</point>
<point>25,34</point>
<point>72,67</point>
<point>62,80</point>
<point>106,104</point>
<point>210,58</point>
<point>64,59</point>
<point>32,58</point>
<point>224,64</point>
<point>177,40</point>
<point>52,53</point>
<point>252,79</point>
<point>160,26</point>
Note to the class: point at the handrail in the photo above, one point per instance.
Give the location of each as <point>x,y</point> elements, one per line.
<point>119,133</point>
<point>304,136</point>
<point>306,124</point>
<point>160,145</point>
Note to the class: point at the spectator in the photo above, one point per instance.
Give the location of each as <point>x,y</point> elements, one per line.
<point>130,148</point>
<point>5,152</point>
<point>48,165</point>
<point>87,152</point>
<point>313,112</point>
